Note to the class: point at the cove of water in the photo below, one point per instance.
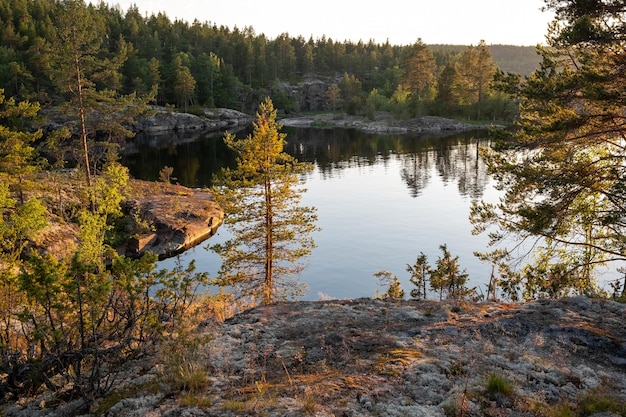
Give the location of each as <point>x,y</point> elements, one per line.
<point>380,199</point>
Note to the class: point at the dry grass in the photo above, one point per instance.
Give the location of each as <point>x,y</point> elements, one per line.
<point>184,362</point>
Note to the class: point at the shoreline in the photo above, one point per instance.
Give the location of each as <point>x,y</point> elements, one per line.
<point>384,123</point>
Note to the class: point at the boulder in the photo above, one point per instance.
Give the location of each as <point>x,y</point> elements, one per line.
<point>164,120</point>
<point>180,218</point>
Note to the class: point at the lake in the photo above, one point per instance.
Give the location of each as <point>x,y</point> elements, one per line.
<point>380,199</point>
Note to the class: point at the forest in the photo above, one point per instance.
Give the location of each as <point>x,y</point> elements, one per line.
<point>89,71</point>
<point>203,64</point>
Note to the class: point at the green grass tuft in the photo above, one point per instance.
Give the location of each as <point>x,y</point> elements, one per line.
<point>497,385</point>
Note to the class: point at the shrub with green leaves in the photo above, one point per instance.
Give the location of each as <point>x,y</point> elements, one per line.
<point>80,320</point>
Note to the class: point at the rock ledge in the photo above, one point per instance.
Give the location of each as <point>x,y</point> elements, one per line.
<point>385,123</point>
<point>181,218</point>
<point>369,357</point>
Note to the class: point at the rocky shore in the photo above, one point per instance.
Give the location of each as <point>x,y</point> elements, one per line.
<point>219,119</point>
<point>180,218</point>
<point>384,123</point>
<point>174,218</point>
<point>370,357</point>
<point>165,122</point>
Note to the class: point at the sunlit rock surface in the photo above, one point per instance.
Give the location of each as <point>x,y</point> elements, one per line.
<point>164,120</point>
<point>381,358</point>
<point>368,357</point>
<point>179,218</point>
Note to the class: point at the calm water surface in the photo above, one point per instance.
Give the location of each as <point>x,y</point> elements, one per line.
<point>381,200</point>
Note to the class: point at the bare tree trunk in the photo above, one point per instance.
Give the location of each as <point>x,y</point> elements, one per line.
<point>269,243</point>
<point>83,129</point>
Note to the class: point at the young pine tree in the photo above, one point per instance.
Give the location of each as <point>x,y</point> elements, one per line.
<point>17,151</point>
<point>419,276</point>
<point>271,230</point>
<point>447,277</point>
<point>394,289</point>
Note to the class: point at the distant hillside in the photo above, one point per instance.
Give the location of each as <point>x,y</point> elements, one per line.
<point>521,60</point>
<point>518,59</point>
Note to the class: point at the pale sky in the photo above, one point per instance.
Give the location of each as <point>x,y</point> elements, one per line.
<point>402,22</point>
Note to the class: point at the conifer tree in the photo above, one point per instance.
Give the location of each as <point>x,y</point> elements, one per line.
<point>333,94</point>
<point>184,84</point>
<point>447,277</point>
<point>394,288</point>
<point>475,72</point>
<point>564,177</point>
<point>419,276</point>
<point>420,75</point>
<point>17,152</point>
<point>89,76</point>
<point>261,200</point>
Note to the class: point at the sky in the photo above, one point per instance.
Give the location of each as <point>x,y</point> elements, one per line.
<point>402,22</point>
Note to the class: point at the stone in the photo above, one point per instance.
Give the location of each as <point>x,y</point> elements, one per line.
<point>345,357</point>
<point>165,120</point>
<point>181,218</point>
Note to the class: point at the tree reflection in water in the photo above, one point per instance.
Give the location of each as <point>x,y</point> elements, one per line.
<point>381,200</point>
<point>454,156</point>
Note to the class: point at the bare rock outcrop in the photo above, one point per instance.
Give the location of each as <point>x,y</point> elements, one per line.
<point>164,120</point>
<point>173,219</point>
<point>420,358</point>
<point>311,95</point>
<point>180,219</point>
<point>369,357</point>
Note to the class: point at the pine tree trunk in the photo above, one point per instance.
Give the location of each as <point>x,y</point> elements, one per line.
<point>269,243</point>
<point>83,129</point>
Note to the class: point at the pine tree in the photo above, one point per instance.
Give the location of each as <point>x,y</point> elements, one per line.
<point>261,200</point>
<point>419,276</point>
<point>447,277</point>
<point>420,75</point>
<point>184,85</point>
<point>475,72</point>
<point>17,152</point>
<point>564,177</point>
<point>394,288</point>
<point>333,94</point>
<point>89,75</point>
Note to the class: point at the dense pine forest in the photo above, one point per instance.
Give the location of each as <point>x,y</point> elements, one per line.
<point>187,64</point>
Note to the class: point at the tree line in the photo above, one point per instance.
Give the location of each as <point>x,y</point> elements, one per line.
<point>203,64</point>
<point>78,320</point>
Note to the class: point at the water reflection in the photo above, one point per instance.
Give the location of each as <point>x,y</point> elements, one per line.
<point>381,201</point>
<point>196,157</point>
<point>455,157</point>
<point>413,173</point>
